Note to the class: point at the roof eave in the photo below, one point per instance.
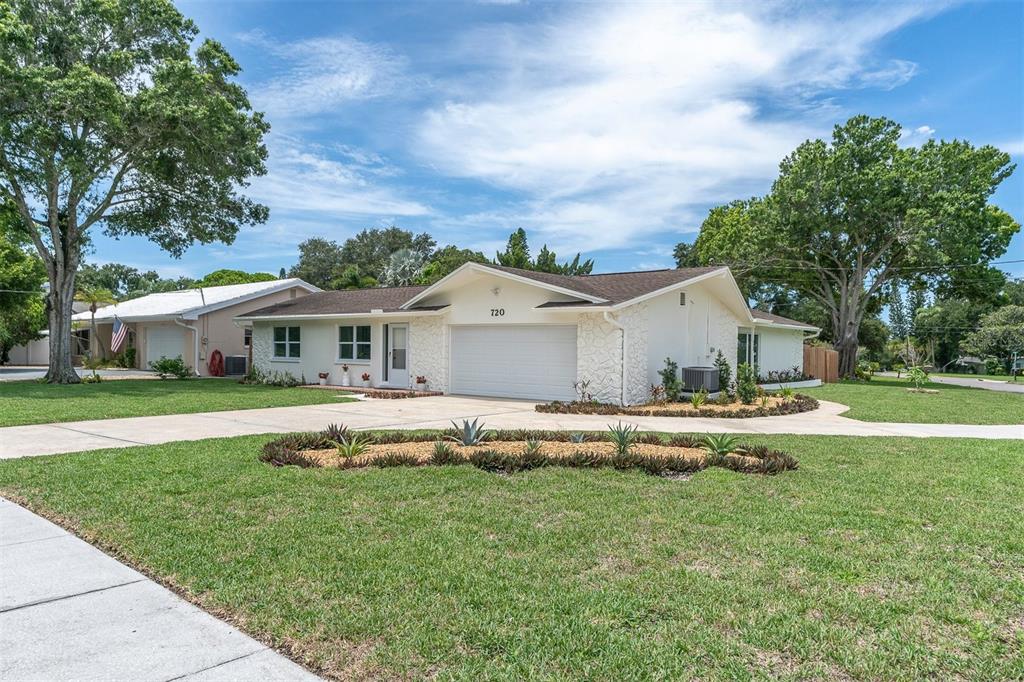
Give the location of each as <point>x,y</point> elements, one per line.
<point>342,316</point>
<point>436,286</point>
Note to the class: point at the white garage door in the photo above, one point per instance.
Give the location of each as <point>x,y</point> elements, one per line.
<point>514,361</point>
<point>166,342</point>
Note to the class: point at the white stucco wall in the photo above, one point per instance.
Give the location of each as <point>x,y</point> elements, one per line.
<point>690,334</point>
<point>780,349</point>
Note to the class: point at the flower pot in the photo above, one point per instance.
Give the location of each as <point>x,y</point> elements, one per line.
<point>323,381</point>
<point>366,383</point>
<point>421,387</point>
<point>345,379</point>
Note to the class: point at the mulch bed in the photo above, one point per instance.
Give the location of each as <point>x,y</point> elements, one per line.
<point>377,393</point>
<point>775,406</point>
<point>508,452</point>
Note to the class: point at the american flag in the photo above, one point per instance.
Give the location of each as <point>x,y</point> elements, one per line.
<point>120,334</point>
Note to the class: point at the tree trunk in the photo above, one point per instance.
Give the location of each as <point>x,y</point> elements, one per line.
<point>846,342</point>
<point>61,297</point>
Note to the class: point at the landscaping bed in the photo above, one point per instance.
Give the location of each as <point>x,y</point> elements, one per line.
<point>620,448</point>
<point>766,406</point>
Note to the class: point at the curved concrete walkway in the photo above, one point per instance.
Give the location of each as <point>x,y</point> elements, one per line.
<point>437,413</point>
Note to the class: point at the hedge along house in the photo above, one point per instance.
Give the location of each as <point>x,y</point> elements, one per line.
<point>191,323</point>
<point>503,332</point>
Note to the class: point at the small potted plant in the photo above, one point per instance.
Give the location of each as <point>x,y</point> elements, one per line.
<point>344,376</point>
<point>366,379</point>
<point>324,376</point>
<point>421,383</point>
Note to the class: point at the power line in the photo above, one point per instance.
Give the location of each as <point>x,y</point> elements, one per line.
<point>907,268</point>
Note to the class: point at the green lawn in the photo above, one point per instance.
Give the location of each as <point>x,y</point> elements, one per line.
<point>880,558</point>
<point>886,399</point>
<point>29,402</point>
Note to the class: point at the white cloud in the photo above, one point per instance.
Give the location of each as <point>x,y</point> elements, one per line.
<point>305,181</point>
<point>616,123</point>
<point>318,75</point>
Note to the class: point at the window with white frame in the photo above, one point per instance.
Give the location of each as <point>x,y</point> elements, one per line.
<point>748,349</point>
<point>287,343</point>
<point>354,343</point>
<point>247,337</point>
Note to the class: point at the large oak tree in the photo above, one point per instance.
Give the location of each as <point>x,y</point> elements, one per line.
<point>109,119</point>
<point>846,217</point>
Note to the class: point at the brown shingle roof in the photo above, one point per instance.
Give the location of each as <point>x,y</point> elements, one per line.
<point>772,317</point>
<point>609,289</point>
<point>343,302</point>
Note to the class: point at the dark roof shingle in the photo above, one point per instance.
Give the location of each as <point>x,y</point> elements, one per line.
<point>344,302</point>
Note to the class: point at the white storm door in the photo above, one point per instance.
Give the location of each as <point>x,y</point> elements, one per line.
<point>398,355</point>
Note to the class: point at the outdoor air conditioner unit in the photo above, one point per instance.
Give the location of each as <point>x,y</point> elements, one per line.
<point>696,378</point>
<point>235,365</point>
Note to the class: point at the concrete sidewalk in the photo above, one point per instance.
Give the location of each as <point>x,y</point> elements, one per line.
<point>437,413</point>
<point>69,611</point>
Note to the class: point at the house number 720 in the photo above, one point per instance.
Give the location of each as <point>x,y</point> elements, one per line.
<point>497,312</point>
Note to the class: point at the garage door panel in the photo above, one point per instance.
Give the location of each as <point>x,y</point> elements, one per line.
<point>515,361</point>
<point>166,342</point>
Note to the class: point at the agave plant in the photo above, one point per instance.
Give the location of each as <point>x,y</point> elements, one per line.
<point>577,437</point>
<point>698,398</point>
<point>351,445</point>
<point>470,433</point>
<point>718,445</point>
<point>336,432</point>
<point>533,447</point>
<point>623,436</point>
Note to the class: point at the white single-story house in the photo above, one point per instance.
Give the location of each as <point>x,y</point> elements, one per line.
<point>191,323</point>
<point>495,331</point>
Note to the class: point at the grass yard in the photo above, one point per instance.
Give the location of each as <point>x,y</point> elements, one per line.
<point>885,399</point>
<point>29,402</point>
<point>880,558</point>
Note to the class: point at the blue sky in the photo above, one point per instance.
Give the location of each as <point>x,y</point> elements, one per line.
<point>602,128</point>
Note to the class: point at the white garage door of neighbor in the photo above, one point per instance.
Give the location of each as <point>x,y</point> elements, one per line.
<point>166,342</point>
<point>514,361</point>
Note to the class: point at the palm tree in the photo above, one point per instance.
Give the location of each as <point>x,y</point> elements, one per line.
<point>95,297</point>
<point>404,266</point>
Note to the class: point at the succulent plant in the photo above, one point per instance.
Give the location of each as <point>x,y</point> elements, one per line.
<point>470,433</point>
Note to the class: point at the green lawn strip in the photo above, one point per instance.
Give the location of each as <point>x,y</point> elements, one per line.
<point>30,402</point>
<point>879,558</point>
<point>887,400</point>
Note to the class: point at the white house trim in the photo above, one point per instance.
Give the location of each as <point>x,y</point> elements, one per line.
<point>284,285</point>
<point>476,267</point>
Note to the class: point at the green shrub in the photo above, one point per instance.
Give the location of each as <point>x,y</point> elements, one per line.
<point>724,372</point>
<point>396,459</point>
<point>918,377</point>
<point>171,367</point>
<point>670,380</point>
<point>125,359</point>
<point>93,378</point>
<point>698,399</point>
<point>444,453</point>
<point>746,383</point>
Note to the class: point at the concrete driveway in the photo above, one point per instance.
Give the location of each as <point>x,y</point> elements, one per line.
<point>70,612</point>
<point>435,413</point>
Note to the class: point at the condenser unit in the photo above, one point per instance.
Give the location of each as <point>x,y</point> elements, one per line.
<point>235,365</point>
<point>696,378</point>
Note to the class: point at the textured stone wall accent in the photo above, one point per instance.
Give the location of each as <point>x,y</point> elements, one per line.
<point>261,345</point>
<point>428,351</point>
<point>635,319</point>
<point>724,330</point>
<point>599,357</point>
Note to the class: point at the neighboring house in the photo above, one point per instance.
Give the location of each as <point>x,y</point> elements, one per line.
<point>495,331</point>
<point>38,352</point>
<point>192,323</point>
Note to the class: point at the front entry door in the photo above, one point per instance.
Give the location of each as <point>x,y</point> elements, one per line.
<point>398,355</point>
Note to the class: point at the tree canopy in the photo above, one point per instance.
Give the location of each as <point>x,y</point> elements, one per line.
<point>22,311</point>
<point>112,118</point>
<point>1000,335</point>
<point>517,255</point>
<point>846,217</point>
<point>126,282</point>
<point>223,277</point>
<point>447,260</point>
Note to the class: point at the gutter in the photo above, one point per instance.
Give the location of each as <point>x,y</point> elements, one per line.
<point>195,344</point>
<point>622,355</point>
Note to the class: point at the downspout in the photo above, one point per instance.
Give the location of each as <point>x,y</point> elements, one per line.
<point>622,355</point>
<point>195,344</point>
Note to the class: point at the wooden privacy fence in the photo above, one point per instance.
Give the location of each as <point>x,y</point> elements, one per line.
<point>821,363</point>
